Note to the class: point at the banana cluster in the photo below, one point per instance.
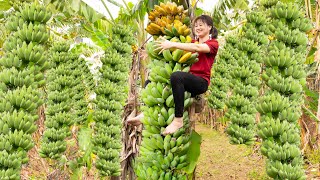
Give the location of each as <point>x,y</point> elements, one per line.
<point>156,94</point>
<point>20,139</point>
<point>111,95</point>
<point>271,127</point>
<point>21,75</point>
<point>278,170</point>
<point>162,157</point>
<point>241,134</point>
<point>11,162</point>
<point>282,58</point>
<point>83,87</point>
<point>245,82</point>
<point>256,18</point>
<point>168,19</point>
<point>246,90</point>
<point>273,102</point>
<point>165,157</point>
<point>161,71</point>
<point>280,107</point>
<point>34,13</point>
<point>268,3</point>
<point>303,24</point>
<point>287,11</point>
<point>257,36</point>
<point>241,72</point>
<point>291,35</point>
<point>248,45</point>
<point>177,55</point>
<point>58,112</point>
<point>220,85</point>
<point>285,85</point>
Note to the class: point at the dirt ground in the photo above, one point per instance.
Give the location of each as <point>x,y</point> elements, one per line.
<point>219,160</point>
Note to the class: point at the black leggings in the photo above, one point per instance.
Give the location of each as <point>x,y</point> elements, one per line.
<point>183,81</point>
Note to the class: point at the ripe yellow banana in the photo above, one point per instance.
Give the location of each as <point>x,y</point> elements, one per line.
<point>160,10</point>
<point>188,39</point>
<point>186,32</point>
<point>180,9</point>
<point>185,57</point>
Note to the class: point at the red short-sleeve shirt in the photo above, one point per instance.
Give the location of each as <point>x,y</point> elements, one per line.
<point>203,67</point>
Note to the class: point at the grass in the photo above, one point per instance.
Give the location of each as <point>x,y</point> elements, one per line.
<point>221,160</point>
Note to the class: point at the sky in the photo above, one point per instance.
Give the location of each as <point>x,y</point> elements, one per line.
<point>98,6</point>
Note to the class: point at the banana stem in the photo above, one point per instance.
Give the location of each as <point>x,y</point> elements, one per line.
<point>309,9</point>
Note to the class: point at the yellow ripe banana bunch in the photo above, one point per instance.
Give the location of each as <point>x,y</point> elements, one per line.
<point>163,17</point>
<point>176,29</point>
<point>170,8</point>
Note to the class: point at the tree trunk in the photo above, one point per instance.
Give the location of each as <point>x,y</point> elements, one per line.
<point>129,133</point>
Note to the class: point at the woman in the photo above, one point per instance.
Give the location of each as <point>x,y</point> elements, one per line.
<point>198,79</point>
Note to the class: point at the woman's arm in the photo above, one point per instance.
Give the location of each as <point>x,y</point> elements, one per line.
<point>192,47</point>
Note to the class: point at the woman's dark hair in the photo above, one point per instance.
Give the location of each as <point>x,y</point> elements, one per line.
<point>208,20</point>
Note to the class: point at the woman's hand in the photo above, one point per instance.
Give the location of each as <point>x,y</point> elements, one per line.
<point>163,44</point>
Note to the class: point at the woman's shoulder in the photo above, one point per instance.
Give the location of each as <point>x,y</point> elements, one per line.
<point>213,40</point>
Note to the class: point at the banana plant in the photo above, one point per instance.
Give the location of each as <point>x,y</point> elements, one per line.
<point>226,13</point>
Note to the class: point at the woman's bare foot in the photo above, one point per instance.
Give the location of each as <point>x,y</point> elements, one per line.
<point>135,121</point>
<point>176,124</point>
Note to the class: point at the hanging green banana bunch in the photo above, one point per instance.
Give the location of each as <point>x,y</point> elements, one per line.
<point>82,89</point>
<point>280,107</point>
<point>245,92</point>
<point>111,95</point>
<point>165,157</point>
<point>21,76</point>
<point>59,117</point>
<point>220,84</point>
<point>240,110</point>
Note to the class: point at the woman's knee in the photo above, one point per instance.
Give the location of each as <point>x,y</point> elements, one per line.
<point>176,77</point>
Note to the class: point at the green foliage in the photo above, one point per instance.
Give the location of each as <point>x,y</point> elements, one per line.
<point>193,152</point>
<point>72,7</point>
<point>221,19</point>
<point>313,156</point>
<point>4,5</point>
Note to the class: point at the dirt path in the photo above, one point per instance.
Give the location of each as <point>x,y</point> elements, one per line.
<point>219,160</point>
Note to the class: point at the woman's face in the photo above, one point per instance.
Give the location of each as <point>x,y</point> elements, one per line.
<point>201,29</point>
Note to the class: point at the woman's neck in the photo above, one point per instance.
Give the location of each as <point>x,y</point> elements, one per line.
<point>203,39</point>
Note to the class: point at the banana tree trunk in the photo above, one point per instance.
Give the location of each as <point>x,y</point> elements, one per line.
<point>130,135</point>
